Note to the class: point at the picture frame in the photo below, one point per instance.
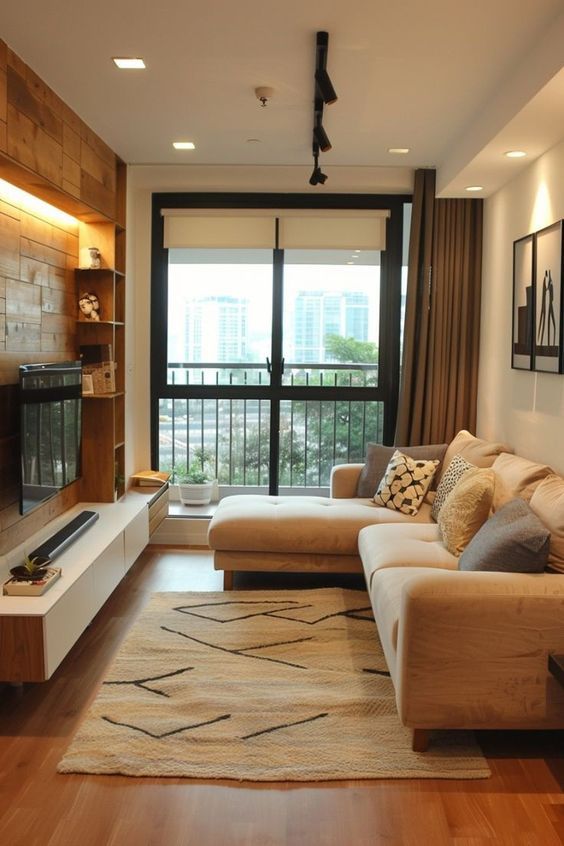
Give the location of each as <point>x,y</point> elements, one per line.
<point>523,303</point>
<point>547,341</point>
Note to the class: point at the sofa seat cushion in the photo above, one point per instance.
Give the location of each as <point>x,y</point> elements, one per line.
<point>298,523</point>
<point>415,545</point>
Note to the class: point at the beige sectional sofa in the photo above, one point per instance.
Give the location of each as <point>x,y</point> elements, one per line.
<point>464,649</point>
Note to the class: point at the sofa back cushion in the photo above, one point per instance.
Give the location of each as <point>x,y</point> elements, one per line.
<point>547,502</point>
<point>513,540</point>
<point>466,509</point>
<point>476,451</point>
<point>516,477</point>
<point>378,457</point>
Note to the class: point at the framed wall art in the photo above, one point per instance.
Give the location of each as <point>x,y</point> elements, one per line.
<point>523,303</point>
<point>547,342</point>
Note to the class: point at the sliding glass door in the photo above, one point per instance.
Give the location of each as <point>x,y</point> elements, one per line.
<point>269,365</point>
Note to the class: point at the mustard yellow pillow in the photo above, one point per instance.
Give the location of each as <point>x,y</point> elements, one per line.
<point>466,509</point>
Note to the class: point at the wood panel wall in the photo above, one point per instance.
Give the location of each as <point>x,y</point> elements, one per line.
<point>39,131</point>
<point>46,149</point>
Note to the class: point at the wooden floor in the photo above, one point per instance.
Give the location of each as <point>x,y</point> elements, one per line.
<point>522,803</point>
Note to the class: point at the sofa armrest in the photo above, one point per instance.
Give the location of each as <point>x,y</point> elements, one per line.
<point>472,650</point>
<point>344,480</point>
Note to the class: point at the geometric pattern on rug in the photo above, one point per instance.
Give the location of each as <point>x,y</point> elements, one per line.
<point>259,686</point>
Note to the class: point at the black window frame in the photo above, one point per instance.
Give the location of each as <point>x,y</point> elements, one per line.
<point>387,390</point>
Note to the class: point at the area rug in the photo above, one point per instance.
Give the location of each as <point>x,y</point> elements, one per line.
<point>260,686</point>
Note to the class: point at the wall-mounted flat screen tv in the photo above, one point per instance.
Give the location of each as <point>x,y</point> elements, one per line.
<point>50,430</point>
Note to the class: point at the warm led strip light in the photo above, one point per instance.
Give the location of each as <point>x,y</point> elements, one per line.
<point>15,196</point>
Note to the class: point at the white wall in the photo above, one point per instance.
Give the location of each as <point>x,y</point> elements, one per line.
<point>143,180</point>
<point>525,410</point>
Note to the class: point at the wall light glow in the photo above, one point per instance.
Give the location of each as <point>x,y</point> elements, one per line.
<point>15,196</point>
<point>543,213</point>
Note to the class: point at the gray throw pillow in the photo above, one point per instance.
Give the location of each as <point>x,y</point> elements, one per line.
<point>377,460</point>
<point>512,541</point>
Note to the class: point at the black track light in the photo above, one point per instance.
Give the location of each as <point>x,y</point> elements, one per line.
<point>317,177</point>
<point>321,137</point>
<point>325,86</point>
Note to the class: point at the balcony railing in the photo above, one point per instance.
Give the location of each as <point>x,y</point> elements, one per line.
<point>233,435</point>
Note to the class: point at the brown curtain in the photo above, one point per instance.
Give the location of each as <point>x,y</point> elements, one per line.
<point>442,322</point>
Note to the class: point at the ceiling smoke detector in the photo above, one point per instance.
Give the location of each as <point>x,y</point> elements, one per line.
<point>264,94</point>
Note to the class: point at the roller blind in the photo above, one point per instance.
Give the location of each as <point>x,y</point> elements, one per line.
<point>214,232</point>
<point>251,229</point>
<point>332,233</point>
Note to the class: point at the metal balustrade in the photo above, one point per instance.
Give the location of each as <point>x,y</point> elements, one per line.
<point>231,436</point>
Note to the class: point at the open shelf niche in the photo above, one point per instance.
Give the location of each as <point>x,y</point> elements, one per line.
<point>103,450</point>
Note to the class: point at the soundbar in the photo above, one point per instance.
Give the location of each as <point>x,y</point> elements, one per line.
<point>58,542</point>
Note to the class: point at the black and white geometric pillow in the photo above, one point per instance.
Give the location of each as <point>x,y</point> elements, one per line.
<point>405,483</point>
<point>455,471</point>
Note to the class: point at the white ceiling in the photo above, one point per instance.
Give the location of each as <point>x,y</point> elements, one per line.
<point>458,83</point>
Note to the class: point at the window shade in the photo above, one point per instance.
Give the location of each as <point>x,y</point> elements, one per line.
<point>332,233</point>
<point>299,230</point>
<point>214,232</point>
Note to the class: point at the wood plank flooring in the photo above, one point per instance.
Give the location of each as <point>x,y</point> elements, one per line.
<point>522,803</point>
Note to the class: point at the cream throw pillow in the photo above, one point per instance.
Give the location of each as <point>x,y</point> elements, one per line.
<point>405,483</point>
<point>466,509</point>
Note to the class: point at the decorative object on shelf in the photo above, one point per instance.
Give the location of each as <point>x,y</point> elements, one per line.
<point>150,478</point>
<point>87,385</point>
<point>102,375</point>
<point>35,587</point>
<point>537,301</point>
<point>32,578</point>
<point>32,570</point>
<point>95,258</point>
<point>89,306</point>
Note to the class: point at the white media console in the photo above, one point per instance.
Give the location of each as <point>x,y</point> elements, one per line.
<point>36,632</point>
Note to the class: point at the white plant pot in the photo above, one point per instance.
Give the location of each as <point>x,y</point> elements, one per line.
<point>191,494</point>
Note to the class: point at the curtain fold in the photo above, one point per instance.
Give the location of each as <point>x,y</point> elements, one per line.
<point>438,391</point>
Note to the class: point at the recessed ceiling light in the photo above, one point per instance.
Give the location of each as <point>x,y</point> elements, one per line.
<point>474,188</point>
<point>350,262</point>
<point>398,151</point>
<point>183,145</point>
<point>515,154</point>
<point>129,63</point>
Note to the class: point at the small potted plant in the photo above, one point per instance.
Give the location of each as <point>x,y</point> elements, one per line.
<point>32,570</point>
<point>195,483</point>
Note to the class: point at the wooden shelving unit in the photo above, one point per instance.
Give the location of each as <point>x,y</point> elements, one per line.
<point>103,451</point>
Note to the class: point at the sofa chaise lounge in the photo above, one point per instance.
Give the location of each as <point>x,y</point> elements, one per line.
<point>464,649</point>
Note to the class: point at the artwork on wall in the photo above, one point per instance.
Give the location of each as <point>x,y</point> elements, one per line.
<point>523,311</point>
<point>537,301</point>
<point>548,298</point>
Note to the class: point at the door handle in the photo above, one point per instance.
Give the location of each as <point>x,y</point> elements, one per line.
<point>282,366</point>
<point>268,365</point>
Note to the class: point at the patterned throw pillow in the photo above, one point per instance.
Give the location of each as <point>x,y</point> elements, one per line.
<point>466,509</point>
<point>455,470</point>
<point>405,483</point>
